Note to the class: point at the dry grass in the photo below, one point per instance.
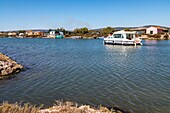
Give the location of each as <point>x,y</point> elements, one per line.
<point>72,107</point>
<point>59,107</point>
<point>4,57</point>
<point>5,107</point>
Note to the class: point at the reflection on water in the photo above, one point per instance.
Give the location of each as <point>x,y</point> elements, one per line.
<point>88,72</point>
<point>121,48</point>
<point>148,42</point>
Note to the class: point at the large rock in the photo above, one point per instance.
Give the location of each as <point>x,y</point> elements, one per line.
<point>8,67</point>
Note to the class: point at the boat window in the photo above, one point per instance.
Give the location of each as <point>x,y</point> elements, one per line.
<point>129,36</point>
<point>118,36</point>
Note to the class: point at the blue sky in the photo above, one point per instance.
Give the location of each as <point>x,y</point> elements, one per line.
<point>71,14</point>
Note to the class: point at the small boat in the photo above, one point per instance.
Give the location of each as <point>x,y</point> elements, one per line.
<point>59,35</point>
<point>123,38</point>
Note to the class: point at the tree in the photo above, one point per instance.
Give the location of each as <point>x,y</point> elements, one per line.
<point>108,30</point>
<point>49,30</point>
<point>21,31</point>
<point>60,30</point>
<point>81,30</point>
<point>76,31</point>
<point>126,29</point>
<point>84,30</point>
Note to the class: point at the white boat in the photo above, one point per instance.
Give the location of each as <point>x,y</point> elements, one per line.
<point>124,38</point>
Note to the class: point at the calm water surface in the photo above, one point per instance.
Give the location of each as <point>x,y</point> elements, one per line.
<point>88,72</point>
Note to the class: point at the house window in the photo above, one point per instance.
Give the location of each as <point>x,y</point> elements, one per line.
<point>151,32</point>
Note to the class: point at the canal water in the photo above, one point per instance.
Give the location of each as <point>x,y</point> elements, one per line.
<point>88,72</point>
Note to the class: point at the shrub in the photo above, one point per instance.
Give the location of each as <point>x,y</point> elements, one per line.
<point>5,107</point>
<point>149,35</point>
<point>157,36</point>
<point>67,35</point>
<point>162,33</point>
<point>126,29</point>
<point>166,36</point>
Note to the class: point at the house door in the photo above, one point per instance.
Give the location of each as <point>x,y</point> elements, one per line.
<point>151,32</point>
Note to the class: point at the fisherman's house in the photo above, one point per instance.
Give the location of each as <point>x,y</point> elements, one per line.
<point>156,30</point>
<point>151,30</point>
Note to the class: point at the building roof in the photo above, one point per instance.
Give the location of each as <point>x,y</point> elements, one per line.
<point>157,27</point>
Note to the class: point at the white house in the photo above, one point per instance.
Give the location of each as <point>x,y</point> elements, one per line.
<point>21,35</point>
<point>154,30</point>
<point>29,33</point>
<point>12,34</point>
<point>52,34</point>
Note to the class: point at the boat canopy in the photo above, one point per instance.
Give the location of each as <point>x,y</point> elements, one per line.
<point>125,32</point>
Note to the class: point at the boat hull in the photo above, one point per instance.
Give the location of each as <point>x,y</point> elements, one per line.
<point>59,36</point>
<point>120,42</point>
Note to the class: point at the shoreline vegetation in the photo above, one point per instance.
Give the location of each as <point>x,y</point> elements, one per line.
<point>59,107</point>
<point>82,33</point>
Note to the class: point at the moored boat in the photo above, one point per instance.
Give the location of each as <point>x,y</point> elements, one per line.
<point>59,35</point>
<point>124,38</point>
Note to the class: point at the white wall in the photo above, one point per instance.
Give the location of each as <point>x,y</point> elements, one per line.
<point>52,32</point>
<point>155,30</point>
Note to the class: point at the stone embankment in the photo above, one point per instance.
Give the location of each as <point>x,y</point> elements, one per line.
<point>8,67</point>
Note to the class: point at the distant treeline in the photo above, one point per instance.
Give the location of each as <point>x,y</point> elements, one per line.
<point>86,33</point>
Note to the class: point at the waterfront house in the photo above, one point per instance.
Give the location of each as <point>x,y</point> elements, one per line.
<point>45,34</point>
<point>51,34</point>
<point>21,35</point>
<point>38,33</point>
<point>12,34</point>
<point>4,34</point>
<point>29,33</point>
<point>1,34</point>
<point>154,30</point>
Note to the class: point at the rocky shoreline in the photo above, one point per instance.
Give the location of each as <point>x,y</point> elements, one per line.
<point>8,67</point>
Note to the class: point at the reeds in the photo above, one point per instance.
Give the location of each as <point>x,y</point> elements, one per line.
<point>59,107</point>
<point>6,107</point>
